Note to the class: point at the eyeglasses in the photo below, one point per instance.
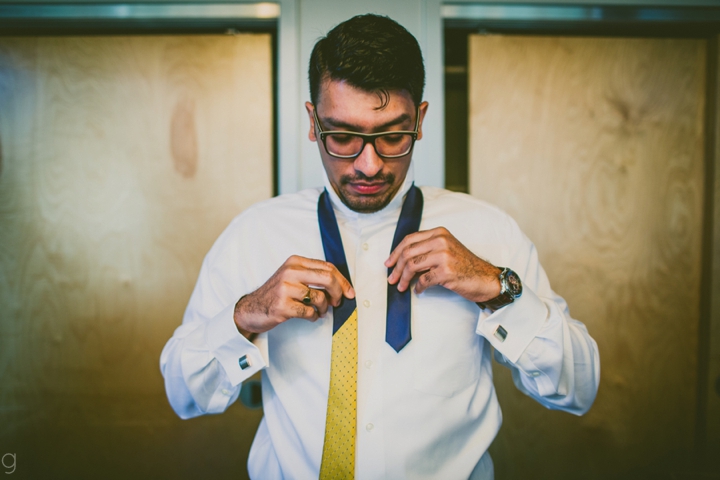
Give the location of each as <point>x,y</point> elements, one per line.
<point>343,144</point>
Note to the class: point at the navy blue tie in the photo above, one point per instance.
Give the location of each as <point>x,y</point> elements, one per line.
<point>397,327</point>
<point>335,254</point>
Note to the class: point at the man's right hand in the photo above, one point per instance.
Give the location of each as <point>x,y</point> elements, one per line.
<point>280,298</point>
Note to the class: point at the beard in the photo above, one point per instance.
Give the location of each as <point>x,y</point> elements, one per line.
<point>367,203</point>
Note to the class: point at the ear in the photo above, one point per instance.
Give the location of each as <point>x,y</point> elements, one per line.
<point>422,109</point>
<point>310,109</point>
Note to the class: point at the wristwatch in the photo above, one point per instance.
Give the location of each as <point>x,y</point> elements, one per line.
<point>510,289</point>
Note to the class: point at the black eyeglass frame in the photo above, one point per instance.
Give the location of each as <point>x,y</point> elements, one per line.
<point>367,137</point>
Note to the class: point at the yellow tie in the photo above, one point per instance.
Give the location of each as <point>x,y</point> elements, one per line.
<point>338,458</point>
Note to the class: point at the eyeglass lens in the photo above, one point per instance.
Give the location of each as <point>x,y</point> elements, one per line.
<point>347,145</point>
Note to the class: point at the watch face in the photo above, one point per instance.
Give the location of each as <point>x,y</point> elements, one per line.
<point>514,285</point>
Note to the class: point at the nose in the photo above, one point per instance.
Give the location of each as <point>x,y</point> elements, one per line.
<point>368,162</point>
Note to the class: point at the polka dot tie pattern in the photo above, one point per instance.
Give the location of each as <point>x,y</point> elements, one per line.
<point>338,458</point>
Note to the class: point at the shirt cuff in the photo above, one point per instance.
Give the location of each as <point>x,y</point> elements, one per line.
<point>238,356</point>
<point>510,329</point>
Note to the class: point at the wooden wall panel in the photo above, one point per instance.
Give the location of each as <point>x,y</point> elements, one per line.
<point>121,160</point>
<point>713,391</point>
<point>595,146</point>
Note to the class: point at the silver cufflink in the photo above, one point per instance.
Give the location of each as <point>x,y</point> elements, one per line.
<point>244,362</point>
<point>500,333</point>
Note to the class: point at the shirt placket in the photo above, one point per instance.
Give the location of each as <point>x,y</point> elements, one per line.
<point>371,287</point>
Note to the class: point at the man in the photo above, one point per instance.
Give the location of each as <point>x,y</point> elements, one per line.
<point>371,306</point>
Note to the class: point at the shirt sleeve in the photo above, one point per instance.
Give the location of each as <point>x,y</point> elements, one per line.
<point>207,359</point>
<point>552,356</point>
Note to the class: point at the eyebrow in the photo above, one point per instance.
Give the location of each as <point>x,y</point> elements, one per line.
<point>379,128</point>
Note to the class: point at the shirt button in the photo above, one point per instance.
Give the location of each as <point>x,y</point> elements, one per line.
<point>368,364</point>
<point>369,427</point>
<point>365,246</point>
<point>535,374</point>
<point>225,391</point>
<point>366,303</point>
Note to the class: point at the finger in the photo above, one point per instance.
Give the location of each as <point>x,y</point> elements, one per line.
<point>415,266</point>
<point>328,278</point>
<point>406,255</point>
<point>308,262</point>
<point>407,241</point>
<point>434,260</point>
<point>411,256</point>
<point>317,299</point>
<point>323,304</point>
<point>427,280</point>
<point>423,243</point>
<point>297,309</point>
<point>347,289</point>
<point>306,294</point>
<point>337,287</point>
<point>301,292</point>
<point>298,264</point>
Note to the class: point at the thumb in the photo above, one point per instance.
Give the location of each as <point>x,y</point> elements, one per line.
<point>348,290</point>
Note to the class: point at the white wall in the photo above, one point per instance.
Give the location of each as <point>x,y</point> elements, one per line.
<point>302,23</point>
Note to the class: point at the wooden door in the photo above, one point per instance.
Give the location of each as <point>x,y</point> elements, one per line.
<point>595,147</point>
<point>121,160</point>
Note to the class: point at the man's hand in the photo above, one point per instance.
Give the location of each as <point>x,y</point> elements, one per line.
<point>280,298</point>
<point>435,257</point>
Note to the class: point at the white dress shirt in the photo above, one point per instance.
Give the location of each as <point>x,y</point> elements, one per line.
<point>429,411</point>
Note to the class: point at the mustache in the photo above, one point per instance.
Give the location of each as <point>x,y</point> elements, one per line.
<point>360,177</point>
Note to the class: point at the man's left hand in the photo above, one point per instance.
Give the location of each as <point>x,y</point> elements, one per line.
<point>436,257</point>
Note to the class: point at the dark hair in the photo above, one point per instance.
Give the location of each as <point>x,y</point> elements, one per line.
<point>370,52</point>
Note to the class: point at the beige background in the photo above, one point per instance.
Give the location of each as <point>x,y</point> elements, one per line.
<point>595,146</point>
<point>121,160</point>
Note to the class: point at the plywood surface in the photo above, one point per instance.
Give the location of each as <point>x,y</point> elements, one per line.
<point>595,147</point>
<point>121,160</point>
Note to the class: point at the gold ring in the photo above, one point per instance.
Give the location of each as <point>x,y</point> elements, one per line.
<point>307,300</point>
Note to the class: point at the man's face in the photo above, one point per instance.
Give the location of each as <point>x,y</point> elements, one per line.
<point>368,182</point>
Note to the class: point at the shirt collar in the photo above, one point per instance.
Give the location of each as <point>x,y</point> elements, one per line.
<point>392,208</point>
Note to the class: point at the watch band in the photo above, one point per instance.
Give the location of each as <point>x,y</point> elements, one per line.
<point>510,289</point>
<point>498,302</point>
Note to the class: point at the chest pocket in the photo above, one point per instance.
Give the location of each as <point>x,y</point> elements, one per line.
<point>447,349</point>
